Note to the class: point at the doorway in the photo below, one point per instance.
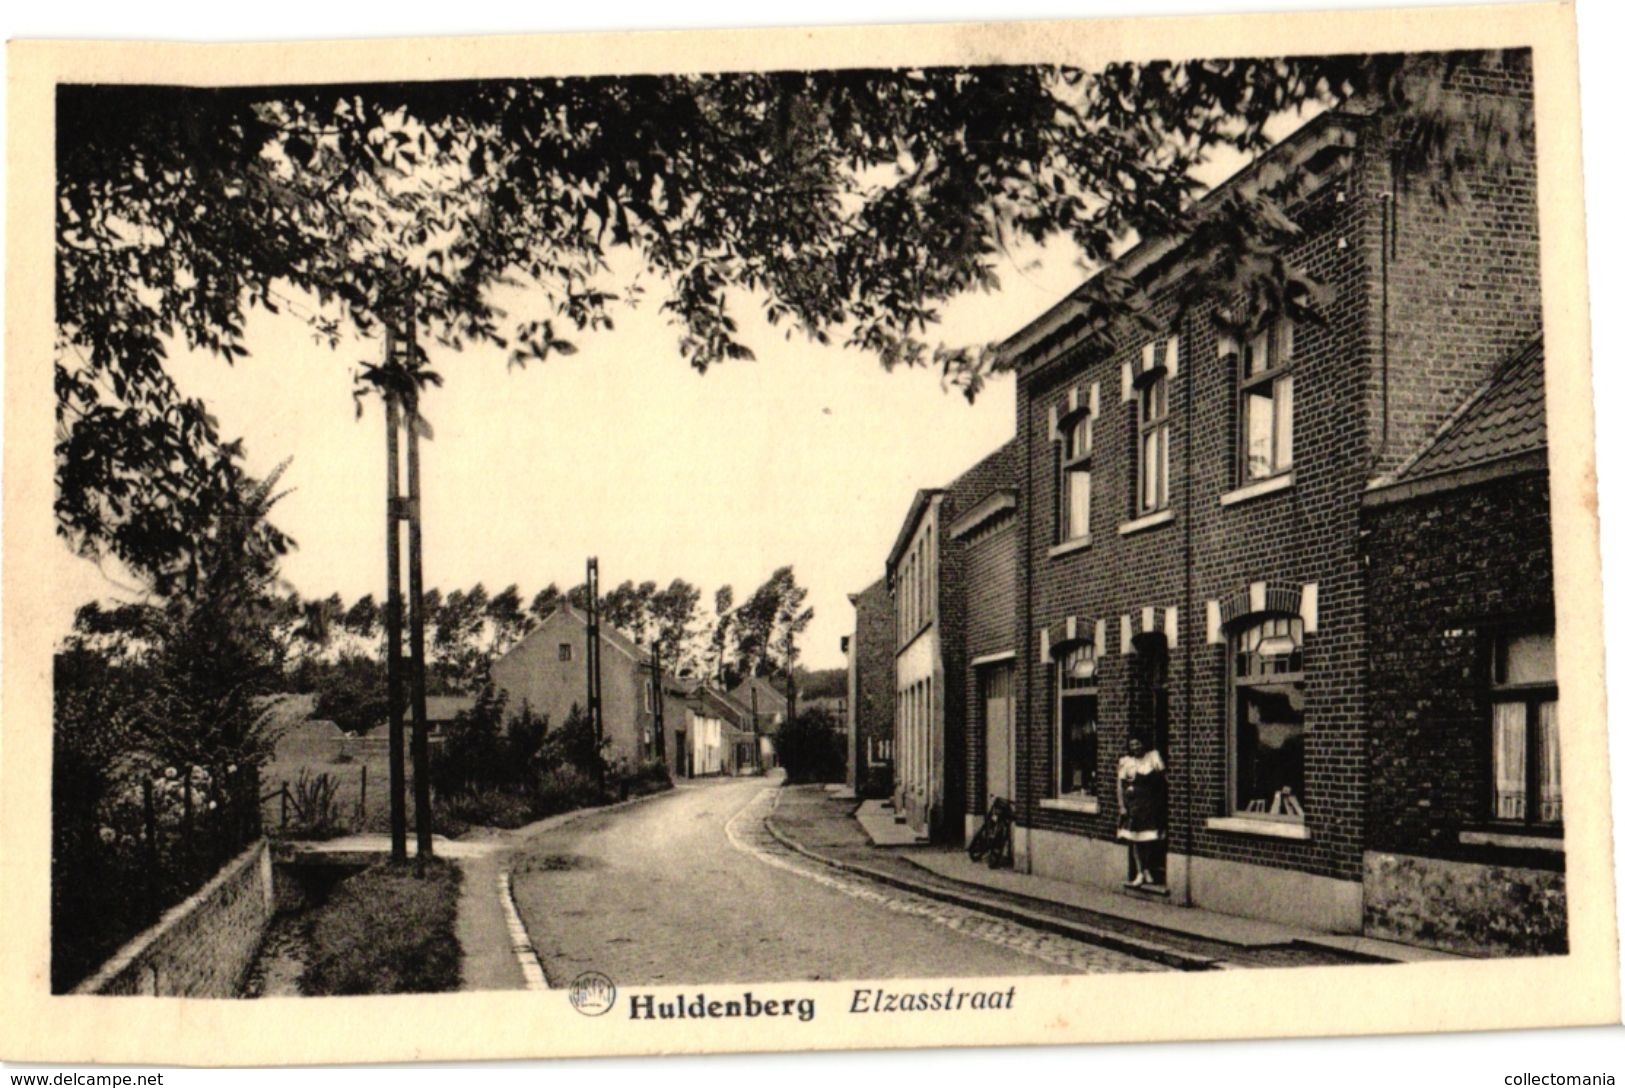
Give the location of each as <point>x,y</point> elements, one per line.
<point>998,695</point>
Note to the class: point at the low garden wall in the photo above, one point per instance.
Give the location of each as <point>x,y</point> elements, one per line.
<point>202,946</point>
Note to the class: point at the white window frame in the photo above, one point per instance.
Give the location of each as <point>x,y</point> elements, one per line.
<point>1529,696</point>
<point>1275,342</point>
<point>1088,688</point>
<point>1074,453</point>
<point>1157,428</point>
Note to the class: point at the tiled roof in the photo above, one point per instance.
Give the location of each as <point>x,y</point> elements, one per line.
<point>443,708</point>
<point>1505,417</point>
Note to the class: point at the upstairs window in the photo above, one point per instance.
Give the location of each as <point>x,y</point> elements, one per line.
<point>1075,449</point>
<point>1525,767</point>
<point>1267,721</point>
<point>1265,412</point>
<point>566,651</point>
<point>1151,489</point>
<point>1077,725</point>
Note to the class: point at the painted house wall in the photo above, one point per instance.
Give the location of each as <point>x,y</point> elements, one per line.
<point>532,673</point>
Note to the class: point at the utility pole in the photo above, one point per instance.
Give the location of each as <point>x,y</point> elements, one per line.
<point>595,707</point>
<point>755,730</point>
<point>414,542</point>
<point>400,351</point>
<point>397,738</point>
<point>657,697</point>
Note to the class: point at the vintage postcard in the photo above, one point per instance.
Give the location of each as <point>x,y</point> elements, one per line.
<point>788,540</point>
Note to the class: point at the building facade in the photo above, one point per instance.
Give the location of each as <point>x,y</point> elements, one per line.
<point>1464,844</point>
<point>926,575</point>
<point>1192,486</point>
<point>766,707</point>
<point>871,664</point>
<point>547,671</point>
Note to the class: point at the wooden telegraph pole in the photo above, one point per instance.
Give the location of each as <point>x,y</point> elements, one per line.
<point>657,700</point>
<point>397,738</point>
<point>414,541</point>
<point>595,707</point>
<point>407,508</point>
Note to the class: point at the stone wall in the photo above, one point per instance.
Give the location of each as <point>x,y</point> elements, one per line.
<point>1465,907</point>
<point>203,946</point>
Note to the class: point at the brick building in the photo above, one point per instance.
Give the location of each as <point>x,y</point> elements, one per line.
<point>1192,491</point>
<point>871,685</point>
<point>1464,842</point>
<point>925,573</point>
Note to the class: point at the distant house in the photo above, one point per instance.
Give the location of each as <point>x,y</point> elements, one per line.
<point>871,682</point>
<point>442,710</point>
<point>711,735</point>
<point>547,671</point>
<point>768,707</point>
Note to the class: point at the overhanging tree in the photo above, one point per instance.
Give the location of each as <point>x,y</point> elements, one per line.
<point>851,204</point>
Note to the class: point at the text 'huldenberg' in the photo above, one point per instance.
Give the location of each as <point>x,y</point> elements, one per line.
<point>682,1007</point>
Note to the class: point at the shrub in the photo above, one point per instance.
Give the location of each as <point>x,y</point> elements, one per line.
<point>316,806</point>
<point>387,931</point>
<point>809,748</point>
<point>488,808</point>
<point>487,750</point>
<point>564,788</point>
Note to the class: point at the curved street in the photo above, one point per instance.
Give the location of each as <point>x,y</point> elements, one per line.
<point>690,888</point>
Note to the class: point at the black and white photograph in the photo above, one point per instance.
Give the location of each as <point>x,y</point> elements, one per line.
<point>803,553</point>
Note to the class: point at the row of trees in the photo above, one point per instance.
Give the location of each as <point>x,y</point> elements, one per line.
<point>468,629</point>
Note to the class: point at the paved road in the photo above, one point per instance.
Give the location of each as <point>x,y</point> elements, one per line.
<point>690,888</point>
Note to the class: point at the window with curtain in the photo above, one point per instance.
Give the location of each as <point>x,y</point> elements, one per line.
<point>1151,492</point>
<point>1525,764</point>
<point>1072,521</point>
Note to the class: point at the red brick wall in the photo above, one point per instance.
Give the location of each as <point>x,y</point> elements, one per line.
<point>992,616</point>
<point>1463,279</point>
<point>1447,572</point>
<point>874,656</point>
<point>993,473</point>
<point>1305,533</point>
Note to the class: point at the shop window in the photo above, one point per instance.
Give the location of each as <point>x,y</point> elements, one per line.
<point>1267,721</point>
<point>1077,722</point>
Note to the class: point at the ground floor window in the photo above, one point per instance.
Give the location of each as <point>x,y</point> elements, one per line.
<point>1267,719</point>
<point>1078,722</point>
<point>1525,764</point>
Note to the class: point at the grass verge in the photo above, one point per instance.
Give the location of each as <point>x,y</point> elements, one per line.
<point>387,931</point>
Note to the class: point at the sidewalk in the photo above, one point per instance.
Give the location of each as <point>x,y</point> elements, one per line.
<point>1191,938</point>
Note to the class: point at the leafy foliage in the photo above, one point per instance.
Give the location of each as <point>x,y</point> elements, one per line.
<point>852,203</point>
<point>809,748</point>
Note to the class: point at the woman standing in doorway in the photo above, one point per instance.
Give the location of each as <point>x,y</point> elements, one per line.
<point>1142,802</point>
